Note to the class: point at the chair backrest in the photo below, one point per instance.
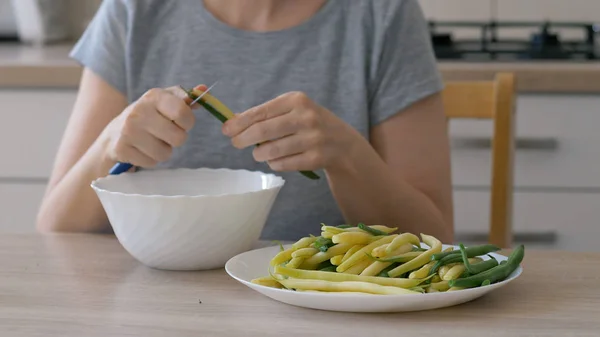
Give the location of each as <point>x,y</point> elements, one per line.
<point>494,100</point>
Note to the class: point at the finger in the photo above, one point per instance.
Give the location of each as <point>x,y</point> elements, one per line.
<point>152,147</point>
<point>283,147</point>
<point>181,93</point>
<point>174,108</point>
<point>202,88</point>
<point>267,130</point>
<point>162,128</point>
<point>129,154</point>
<point>178,91</point>
<point>305,161</point>
<point>271,109</point>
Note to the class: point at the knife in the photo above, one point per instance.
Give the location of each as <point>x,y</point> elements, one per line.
<point>124,167</point>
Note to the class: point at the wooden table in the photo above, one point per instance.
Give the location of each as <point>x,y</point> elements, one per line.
<point>87,285</point>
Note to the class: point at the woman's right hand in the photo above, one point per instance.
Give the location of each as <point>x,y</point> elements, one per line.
<point>146,132</point>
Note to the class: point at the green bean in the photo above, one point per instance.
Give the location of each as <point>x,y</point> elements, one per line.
<point>325,265</point>
<point>281,249</point>
<point>323,244</point>
<point>370,230</point>
<point>477,267</point>
<point>446,260</point>
<point>498,273</point>
<point>471,251</point>
<point>384,273</point>
<point>329,268</point>
<point>457,256</point>
<point>343,226</point>
<point>418,249</point>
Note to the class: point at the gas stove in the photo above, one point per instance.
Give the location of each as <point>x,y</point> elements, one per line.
<point>546,42</point>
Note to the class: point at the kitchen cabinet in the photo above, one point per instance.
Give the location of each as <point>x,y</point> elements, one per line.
<point>33,121</point>
<point>571,218</point>
<point>556,144</point>
<point>19,203</point>
<point>557,172</point>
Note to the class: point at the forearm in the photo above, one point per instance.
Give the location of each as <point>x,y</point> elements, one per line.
<point>71,205</point>
<point>368,190</point>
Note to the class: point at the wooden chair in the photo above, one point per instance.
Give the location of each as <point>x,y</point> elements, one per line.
<point>494,100</point>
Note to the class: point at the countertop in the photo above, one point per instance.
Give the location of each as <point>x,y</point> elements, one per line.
<point>88,285</point>
<point>49,66</point>
<point>38,67</point>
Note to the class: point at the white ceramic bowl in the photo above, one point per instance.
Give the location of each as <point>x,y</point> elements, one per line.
<point>188,219</point>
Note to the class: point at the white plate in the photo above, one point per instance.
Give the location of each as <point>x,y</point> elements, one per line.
<point>249,265</point>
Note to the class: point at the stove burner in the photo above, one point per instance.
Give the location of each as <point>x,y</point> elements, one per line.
<point>545,44</point>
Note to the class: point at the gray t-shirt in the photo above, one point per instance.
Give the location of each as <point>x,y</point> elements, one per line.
<point>365,60</point>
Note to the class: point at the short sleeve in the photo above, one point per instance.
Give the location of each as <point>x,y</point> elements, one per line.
<point>101,48</point>
<point>407,69</point>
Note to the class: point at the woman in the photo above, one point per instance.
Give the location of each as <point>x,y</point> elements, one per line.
<point>346,88</point>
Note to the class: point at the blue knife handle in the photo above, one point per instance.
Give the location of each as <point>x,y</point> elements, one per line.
<point>119,168</point>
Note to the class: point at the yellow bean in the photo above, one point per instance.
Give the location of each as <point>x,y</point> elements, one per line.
<point>359,267</point>
<point>286,255</point>
<point>454,272</point>
<point>402,239</point>
<point>295,262</point>
<point>402,258</point>
<point>327,235</point>
<point>440,286</point>
<point>355,238</point>
<point>436,278</point>
<point>361,254</point>
<point>421,260</point>
<point>339,277</point>
<point>381,251</point>
<point>455,288</point>
<point>375,268</point>
<point>304,242</point>
<point>351,252</point>
<point>404,249</point>
<point>345,286</point>
<point>444,269</point>
<point>336,230</point>
<point>267,281</point>
<point>282,257</point>
<point>456,269</point>
<point>313,261</point>
<point>423,272</point>
<point>337,260</point>
<point>305,252</point>
<point>384,229</point>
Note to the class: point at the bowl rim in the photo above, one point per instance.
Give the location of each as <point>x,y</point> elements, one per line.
<point>278,184</point>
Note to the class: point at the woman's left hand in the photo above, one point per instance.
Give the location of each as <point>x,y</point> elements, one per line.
<point>294,134</point>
